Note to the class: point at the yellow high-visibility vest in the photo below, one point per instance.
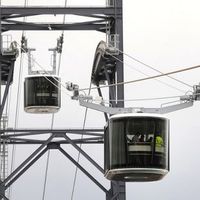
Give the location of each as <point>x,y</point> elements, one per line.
<point>159,141</point>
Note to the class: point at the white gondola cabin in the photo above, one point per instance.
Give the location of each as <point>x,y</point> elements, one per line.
<point>42,94</point>
<point>136,147</point>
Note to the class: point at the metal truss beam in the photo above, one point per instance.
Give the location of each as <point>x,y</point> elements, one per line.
<point>29,132</point>
<point>83,170</point>
<point>60,142</point>
<point>14,25</point>
<point>83,11</point>
<point>106,14</point>
<point>39,152</point>
<point>54,27</point>
<point>22,136</point>
<point>17,170</point>
<point>16,140</point>
<point>76,141</point>
<point>26,168</point>
<point>3,17</point>
<point>66,141</point>
<point>4,197</point>
<point>84,154</point>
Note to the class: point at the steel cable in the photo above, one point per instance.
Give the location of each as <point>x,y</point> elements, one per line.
<point>146,74</point>
<point>149,66</point>
<point>144,79</point>
<point>78,158</point>
<point>53,115</point>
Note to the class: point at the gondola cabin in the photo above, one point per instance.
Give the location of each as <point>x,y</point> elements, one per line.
<point>136,147</point>
<point>42,94</point>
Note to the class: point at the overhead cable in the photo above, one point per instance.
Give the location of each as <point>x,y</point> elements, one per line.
<point>46,174</point>
<point>53,115</point>
<point>78,158</point>
<point>135,59</point>
<point>164,83</point>
<point>150,77</point>
<point>144,79</point>
<point>138,80</point>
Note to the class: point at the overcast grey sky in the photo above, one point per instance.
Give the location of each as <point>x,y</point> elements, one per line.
<point>163,34</point>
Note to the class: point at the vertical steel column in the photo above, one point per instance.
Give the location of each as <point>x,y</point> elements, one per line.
<point>2,187</point>
<point>0,53</point>
<point>119,65</point>
<point>10,75</point>
<point>119,75</point>
<point>118,189</point>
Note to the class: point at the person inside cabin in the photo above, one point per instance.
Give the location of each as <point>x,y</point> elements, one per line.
<point>135,138</point>
<point>159,141</point>
<point>141,138</point>
<point>150,139</point>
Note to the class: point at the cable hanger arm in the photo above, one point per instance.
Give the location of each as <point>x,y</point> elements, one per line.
<point>185,101</point>
<point>116,110</point>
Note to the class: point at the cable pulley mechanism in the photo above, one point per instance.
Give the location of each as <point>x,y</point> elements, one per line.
<point>42,88</point>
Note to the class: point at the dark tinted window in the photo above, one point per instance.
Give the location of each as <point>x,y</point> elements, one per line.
<point>139,142</point>
<point>39,91</point>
